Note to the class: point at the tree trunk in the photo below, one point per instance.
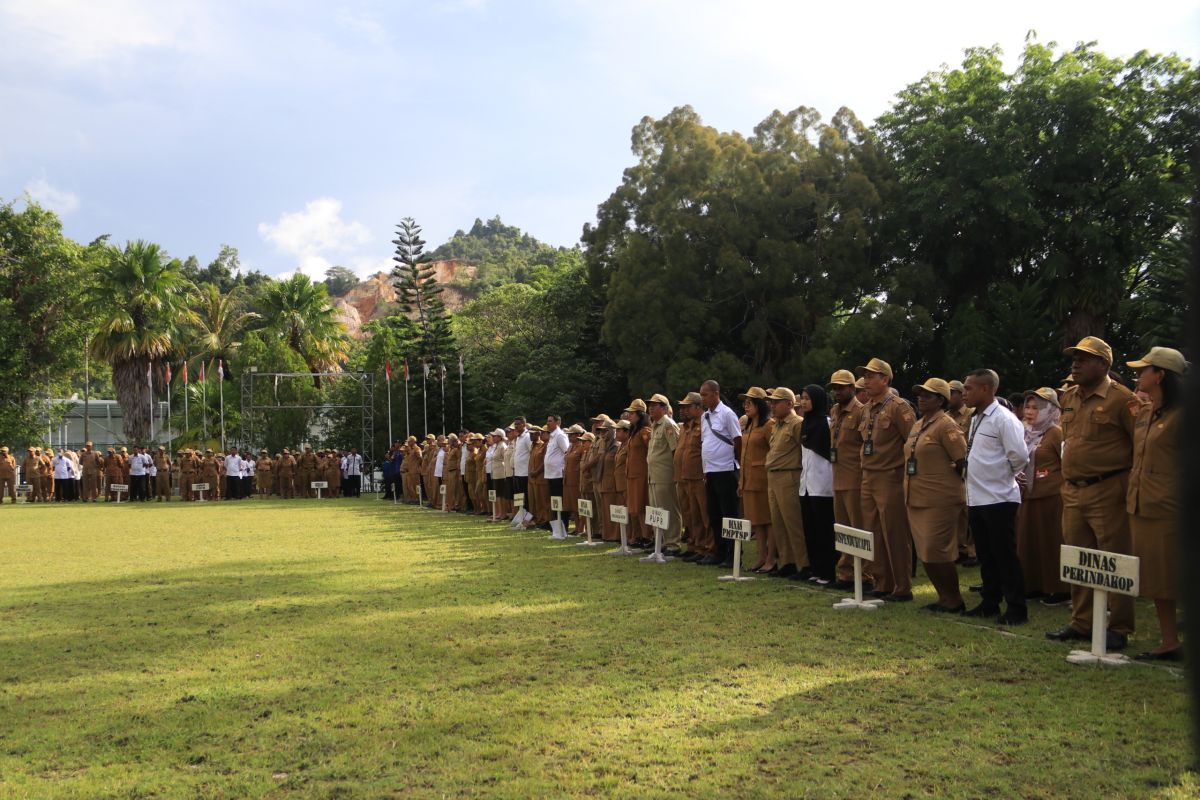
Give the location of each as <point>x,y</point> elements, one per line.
<point>133,395</point>
<point>1081,323</point>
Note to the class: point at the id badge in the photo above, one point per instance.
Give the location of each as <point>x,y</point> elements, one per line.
<point>833,455</point>
<point>869,448</point>
<point>910,466</point>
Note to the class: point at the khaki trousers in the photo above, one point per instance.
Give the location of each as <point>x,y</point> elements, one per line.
<point>885,514</point>
<point>787,524</point>
<point>1095,517</point>
<point>8,484</point>
<point>847,509</point>
<point>662,495</point>
<point>162,485</point>
<point>700,536</point>
<point>91,484</point>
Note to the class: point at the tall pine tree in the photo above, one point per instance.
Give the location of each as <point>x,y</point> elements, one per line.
<point>419,295</point>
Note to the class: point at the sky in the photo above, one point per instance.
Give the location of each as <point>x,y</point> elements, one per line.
<point>302,132</point>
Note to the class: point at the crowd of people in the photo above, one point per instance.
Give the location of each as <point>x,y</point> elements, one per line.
<point>87,475</point>
<point>955,476</point>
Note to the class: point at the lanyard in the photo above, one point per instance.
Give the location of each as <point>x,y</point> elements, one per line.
<point>919,432</point>
<point>874,414</point>
<point>976,424</point>
<point>837,429</point>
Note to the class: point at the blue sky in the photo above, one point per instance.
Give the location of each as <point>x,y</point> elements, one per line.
<point>301,132</point>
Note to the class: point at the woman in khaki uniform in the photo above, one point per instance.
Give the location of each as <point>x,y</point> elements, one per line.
<point>636,473</point>
<point>571,480</point>
<point>539,487</point>
<point>620,476</point>
<point>610,531</point>
<point>934,495</point>
<point>1152,499</point>
<point>1039,519</point>
<point>757,425</point>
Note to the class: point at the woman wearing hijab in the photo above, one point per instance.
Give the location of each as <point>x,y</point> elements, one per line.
<point>816,484</point>
<point>934,495</point>
<point>752,482</point>
<point>1152,499</point>
<point>1039,518</point>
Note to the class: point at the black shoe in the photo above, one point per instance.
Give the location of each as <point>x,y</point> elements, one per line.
<point>878,594</point>
<point>709,561</point>
<point>805,574</point>
<point>1067,634</point>
<point>690,556</point>
<point>938,608</point>
<point>976,588</point>
<point>1034,595</point>
<point>1169,655</point>
<point>868,587</point>
<point>844,586</point>
<point>1013,617</point>
<point>899,598</point>
<point>1114,641</point>
<point>786,571</point>
<point>968,562</point>
<point>773,572</point>
<point>671,550</point>
<point>727,564</point>
<point>1056,599</point>
<point>982,610</point>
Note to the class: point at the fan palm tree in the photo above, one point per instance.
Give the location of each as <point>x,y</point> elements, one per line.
<point>141,299</point>
<point>220,321</point>
<point>300,311</point>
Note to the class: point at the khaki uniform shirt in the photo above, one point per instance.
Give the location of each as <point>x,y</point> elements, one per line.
<point>785,448</point>
<point>1153,481</point>
<point>847,443</point>
<point>937,443</point>
<point>1043,478</point>
<point>756,442</point>
<point>1097,432</point>
<point>660,454</point>
<point>886,424</point>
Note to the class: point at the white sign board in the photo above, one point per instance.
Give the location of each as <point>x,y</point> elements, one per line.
<point>734,528</point>
<point>118,487</point>
<point>658,517</point>
<point>491,495</point>
<point>585,508</point>
<point>24,488</point>
<point>519,500</point>
<point>200,487</point>
<point>442,490</point>
<point>1097,569</point>
<point>854,541</point>
<point>319,484</point>
<point>556,503</point>
<point>618,514</point>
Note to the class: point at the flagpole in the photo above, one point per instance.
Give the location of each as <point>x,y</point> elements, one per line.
<point>170,439</point>
<point>221,389</point>
<point>204,400</point>
<point>425,393</point>
<point>443,399</point>
<point>389,390</point>
<point>461,420</point>
<point>407,423</point>
<point>186,423</point>
<point>150,388</point>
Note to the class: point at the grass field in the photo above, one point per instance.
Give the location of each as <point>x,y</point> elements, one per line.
<point>352,648</point>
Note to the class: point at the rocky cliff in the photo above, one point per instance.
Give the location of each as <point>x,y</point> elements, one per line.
<point>375,297</point>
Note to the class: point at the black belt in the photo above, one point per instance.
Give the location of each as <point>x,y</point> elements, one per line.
<point>786,469</point>
<point>1086,482</point>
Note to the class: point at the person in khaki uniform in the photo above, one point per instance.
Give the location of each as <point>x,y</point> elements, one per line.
<point>162,475</point>
<point>1039,519</point>
<point>90,464</point>
<point>8,475</point>
<point>571,480</point>
<point>961,413</point>
<point>934,455</point>
<point>1098,418</point>
<point>539,487</point>
<point>428,464</point>
<point>187,474</point>
<point>410,469</point>
<point>113,471</point>
<point>783,463</point>
<point>306,468</point>
<point>620,478</point>
<point>586,440</point>
<point>285,470</point>
<point>884,426</point>
<point>607,488</point>
<point>1152,498</point>
<point>593,467</point>
<point>264,473</point>
<point>29,468</point>
<point>689,472</point>
<point>846,457</point>
<point>660,468</point>
<point>210,473</point>
<point>636,493</point>
<point>757,423</point>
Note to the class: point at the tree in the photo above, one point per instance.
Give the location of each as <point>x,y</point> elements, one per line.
<point>220,320</point>
<point>418,294</point>
<point>142,301</point>
<point>44,320</point>
<point>501,254</point>
<point>339,280</point>
<point>299,311</point>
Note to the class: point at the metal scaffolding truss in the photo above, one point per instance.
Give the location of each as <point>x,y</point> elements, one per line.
<point>366,404</point>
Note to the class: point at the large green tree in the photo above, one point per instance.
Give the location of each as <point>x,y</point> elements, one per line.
<point>300,312</point>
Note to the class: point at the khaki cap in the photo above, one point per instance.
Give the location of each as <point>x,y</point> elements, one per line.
<point>430,436</point>
<point>264,450</point>
<point>498,432</point>
<point>4,450</point>
<point>452,437</point>
<point>285,450</point>
<point>876,365</point>
<point>637,405</point>
<point>588,437</point>
<point>412,439</point>
<point>783,393</point>
<point>1046,393</point>
<point>602,418</point>
<point>1092,345</point>
<point>1163,358</point>
<point>692,399</point>
<point>934,386</point>
<point>843,377</point>
<point>756,392</point>
<point>576,429</point>
<point>860,384</point>
<point>660,399</point>
<point>957,386</point>
<point>622,425</point>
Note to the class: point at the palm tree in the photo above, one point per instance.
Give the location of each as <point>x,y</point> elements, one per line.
<point>141,300</point>
<point>300,311</point>
<point>220,322</point>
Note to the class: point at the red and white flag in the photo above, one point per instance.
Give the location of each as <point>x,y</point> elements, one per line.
<point>425,367</point>
<point>460,365</point>
<point>168,372</point>
<point>220,369</point>
<point>406,369</point>
<point>202,372</point>
<point>387,369</point>
<point>185,373</point>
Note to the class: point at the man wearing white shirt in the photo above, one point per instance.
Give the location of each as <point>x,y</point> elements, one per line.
<point>556,461</point>
<point>233,475</point>
<point>352,465</point>
<point>521,445</point>
<point>720,448</point>
<point>137,474</point>
<point>996,453</point>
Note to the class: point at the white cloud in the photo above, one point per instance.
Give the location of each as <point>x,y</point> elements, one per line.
<point>315,234</point>
<point>60,201</point>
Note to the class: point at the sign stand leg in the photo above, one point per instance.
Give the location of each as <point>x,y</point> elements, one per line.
<point>657,557</point>
<point>493,518</point>
<point>857,601</point>
<point>118,496</point>
<point>587,522</point>
<point>420,500</point>
<point>737,575</point>
<point>624,549</point>
<point>1099,653</point>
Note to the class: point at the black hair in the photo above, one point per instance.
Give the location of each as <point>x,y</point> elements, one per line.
<point>643,419</point>
<point>762,413</point>
<point>814,431</point>
<point>557,419</point>
<point>1172,388</point>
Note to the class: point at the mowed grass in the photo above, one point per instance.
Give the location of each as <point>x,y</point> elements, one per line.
<point>353,648</point>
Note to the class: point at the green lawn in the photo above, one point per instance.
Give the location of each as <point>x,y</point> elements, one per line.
<point>353,648</point>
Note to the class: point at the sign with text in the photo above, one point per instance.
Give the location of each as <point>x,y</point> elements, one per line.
<point>854,541</point>
<point>658,517</point>
<point>442,490</point>
<point>556,503</point>
<point>200,487</point>
<point>24,488</point>
<point>319,484</point>
<point>491,495</point>
<point>618,514</point>
<point>1098,569</point>
<point>519,500</point>
<point>118,487</point>
<point>585,508</point>
<point>733,528</point>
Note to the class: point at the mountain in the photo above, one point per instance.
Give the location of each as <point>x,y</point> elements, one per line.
<point>375,298</point>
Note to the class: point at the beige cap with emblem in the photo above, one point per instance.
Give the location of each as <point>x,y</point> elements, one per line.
<point>1092,345</point>
<point>877,365</point>
<point>1164,358</point>
<point>843,377</point>
<point>934,386</point>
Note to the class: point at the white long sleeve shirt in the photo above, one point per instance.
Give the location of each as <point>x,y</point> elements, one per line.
<point>717,453</point>
<point>520,459</point>
<point>556,454</point>
<point>137,466</point>
<point>352,465</point>
<point>996,453</point>
<point>438,463</point>
<point>487,458</point>
<point>816,474</point>
<point>233,466</point>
